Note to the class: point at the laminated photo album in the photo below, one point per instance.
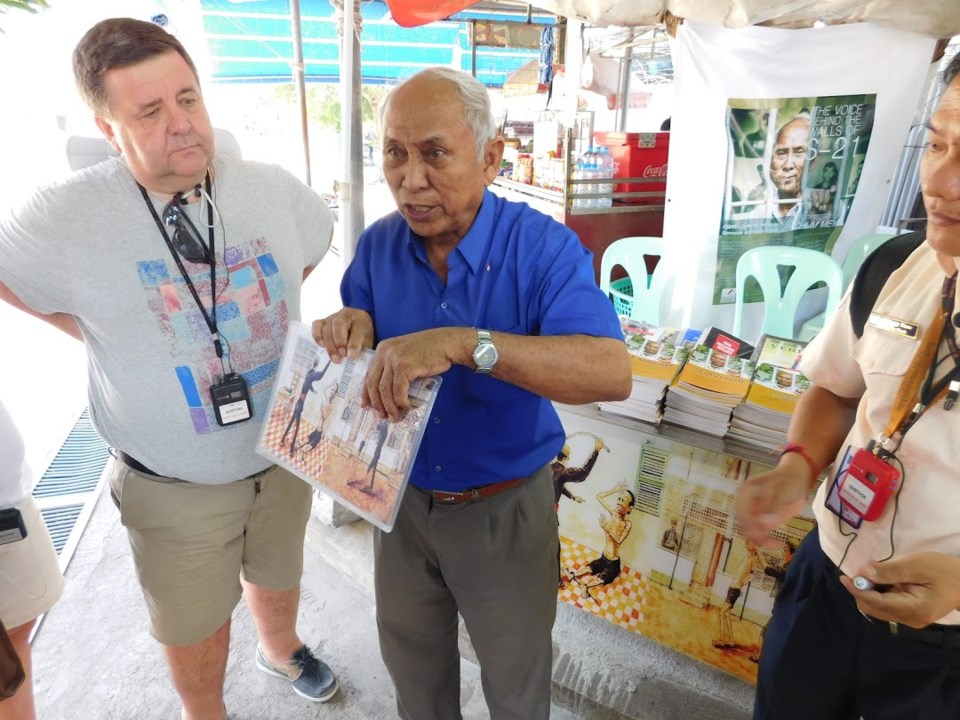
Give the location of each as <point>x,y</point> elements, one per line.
<point>317,430</point>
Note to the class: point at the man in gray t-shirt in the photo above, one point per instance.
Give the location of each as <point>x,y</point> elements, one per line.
<point>180,270</point>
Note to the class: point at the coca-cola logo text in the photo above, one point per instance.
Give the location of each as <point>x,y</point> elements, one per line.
<point>655,171</point>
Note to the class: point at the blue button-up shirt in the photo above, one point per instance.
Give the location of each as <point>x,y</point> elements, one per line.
<point>515,271</point>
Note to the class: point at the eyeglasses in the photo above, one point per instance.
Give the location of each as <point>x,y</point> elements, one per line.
<point>186,239</point>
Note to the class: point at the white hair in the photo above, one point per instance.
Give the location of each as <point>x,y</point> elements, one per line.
<point>474,96</point>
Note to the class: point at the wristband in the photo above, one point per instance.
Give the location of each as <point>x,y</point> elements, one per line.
<point>815,469</point>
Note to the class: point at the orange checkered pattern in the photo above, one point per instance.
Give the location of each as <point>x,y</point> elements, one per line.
<point>622,602</point>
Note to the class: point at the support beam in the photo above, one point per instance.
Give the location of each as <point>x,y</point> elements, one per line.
<point>351,121</point>
<point>298,70</point>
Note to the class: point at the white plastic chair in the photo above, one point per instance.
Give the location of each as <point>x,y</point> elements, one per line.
<point>780,308</point>
<point>639,295</point>
<point>856,254</point>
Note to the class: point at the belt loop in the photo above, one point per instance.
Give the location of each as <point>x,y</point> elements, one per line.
<point>894,627</point>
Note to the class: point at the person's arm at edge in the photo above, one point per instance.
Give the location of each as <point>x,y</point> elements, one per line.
<point>819,424</point>
<point>62,321</point>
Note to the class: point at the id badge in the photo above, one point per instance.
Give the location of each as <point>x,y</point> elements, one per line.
<point>833,502</point>
<point>868,484</point>
<point>231,400</point>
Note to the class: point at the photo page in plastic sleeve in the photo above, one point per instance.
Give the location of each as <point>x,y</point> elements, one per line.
<point>316,429</point>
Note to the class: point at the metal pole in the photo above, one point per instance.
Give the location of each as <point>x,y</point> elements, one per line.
<point>298,72</point>
<point>625,72</point>
<point>351,194</point>
<point>473,48</point>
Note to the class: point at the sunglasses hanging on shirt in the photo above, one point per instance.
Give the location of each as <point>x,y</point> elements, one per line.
<point>186,238</point>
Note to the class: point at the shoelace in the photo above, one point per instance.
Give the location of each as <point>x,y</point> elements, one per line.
<point>304,659</point>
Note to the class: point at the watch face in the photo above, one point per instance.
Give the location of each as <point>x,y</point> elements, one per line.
<point>485,356</point>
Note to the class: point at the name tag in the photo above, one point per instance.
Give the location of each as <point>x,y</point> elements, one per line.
<point>892,325</point>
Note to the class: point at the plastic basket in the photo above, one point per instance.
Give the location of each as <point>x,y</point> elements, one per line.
<point>621,292</point>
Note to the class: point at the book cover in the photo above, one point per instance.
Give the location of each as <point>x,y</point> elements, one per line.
<point>656,352</point>
<point>777,384</point>
<point>778,351</point>
<point>716,339</point>
<point>719,363</point>
<point>316,429</point>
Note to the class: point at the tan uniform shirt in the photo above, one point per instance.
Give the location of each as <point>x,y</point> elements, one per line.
<point>872,368</point>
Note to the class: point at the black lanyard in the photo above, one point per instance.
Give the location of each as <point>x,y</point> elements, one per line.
<point>930,391</point>
<point>211,317</point>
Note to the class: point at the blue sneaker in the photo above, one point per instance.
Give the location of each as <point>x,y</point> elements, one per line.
<point>310,677</point>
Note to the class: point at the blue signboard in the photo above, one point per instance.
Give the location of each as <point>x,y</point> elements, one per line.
<point>252,42</point>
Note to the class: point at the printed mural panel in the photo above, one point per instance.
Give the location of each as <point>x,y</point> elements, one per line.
<point>668,560</point>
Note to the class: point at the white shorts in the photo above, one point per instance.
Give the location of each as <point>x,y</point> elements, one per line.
<point>30,577</point>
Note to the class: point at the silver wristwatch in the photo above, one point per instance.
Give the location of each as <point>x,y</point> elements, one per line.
<point>485,353</point>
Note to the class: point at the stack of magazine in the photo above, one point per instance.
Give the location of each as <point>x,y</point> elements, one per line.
<point>763,416</point>
<point>316,428</point>
<point>714,379</point>
<point>656,354</point>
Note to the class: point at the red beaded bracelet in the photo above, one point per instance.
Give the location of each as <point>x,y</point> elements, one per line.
<point>815,469</point>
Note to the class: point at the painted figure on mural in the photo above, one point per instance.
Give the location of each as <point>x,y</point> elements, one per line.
<point>604,569</point>
<point>670,539</point>
<point>778,573</point>
<point>741,576</point>
<point>563,474</point>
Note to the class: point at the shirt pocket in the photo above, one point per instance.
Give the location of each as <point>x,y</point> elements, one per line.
<point>880,353</point>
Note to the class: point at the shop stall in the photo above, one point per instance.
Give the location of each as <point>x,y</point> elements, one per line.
<point>628,199</point>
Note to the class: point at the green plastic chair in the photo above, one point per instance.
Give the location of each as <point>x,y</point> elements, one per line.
<point>639,295</point>
<point>856,254</point>
<point>780,309</point>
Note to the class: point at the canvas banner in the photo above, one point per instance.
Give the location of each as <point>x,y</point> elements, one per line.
<point>781,137</point>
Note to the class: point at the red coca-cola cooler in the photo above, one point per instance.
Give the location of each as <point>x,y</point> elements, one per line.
<point>639,155</point>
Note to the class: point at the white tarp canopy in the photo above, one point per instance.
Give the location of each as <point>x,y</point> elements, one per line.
<point>936,18</point>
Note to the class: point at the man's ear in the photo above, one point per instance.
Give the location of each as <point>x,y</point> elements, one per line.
<point>492,155</point>
<point>107,129</point>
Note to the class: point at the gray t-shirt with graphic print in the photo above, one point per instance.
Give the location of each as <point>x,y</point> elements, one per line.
<point>89,246</point>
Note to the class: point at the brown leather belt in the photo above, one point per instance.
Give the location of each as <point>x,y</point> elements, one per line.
<point>468,496</point>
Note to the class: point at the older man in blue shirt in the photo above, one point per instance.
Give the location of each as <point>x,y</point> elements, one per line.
<point>501,301</point>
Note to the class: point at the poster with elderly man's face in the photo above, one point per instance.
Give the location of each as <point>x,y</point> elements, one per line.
<point>792,174</point>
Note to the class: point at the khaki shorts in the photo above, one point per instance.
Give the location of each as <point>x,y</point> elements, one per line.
<point>191,542</point>
<point>30,577</point>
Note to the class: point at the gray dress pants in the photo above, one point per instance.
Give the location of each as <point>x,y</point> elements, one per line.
<point>495,561</point>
